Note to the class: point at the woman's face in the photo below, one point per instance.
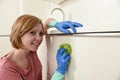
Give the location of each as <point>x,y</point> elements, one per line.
<point>33,38</point>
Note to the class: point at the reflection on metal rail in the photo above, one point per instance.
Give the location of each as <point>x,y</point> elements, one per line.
<point>86,33</point>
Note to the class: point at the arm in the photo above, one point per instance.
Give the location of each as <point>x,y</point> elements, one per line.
<point>62,64</point>
<point>57,76</point>
<point>61,26</point>
<point>47,23</point>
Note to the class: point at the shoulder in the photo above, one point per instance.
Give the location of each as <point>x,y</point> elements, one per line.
<point>8,71</point>
<point>6,64</point>
<point>3,62</point>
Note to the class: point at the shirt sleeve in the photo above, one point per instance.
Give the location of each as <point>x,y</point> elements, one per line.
<point>7,74</point>
<point>57,76</point>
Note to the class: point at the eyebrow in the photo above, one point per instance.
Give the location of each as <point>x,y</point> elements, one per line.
<point>37,30</point>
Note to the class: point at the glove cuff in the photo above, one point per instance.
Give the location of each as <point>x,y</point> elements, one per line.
<point>52,23</point>
<point>57,76</point>
<point>60,71</point>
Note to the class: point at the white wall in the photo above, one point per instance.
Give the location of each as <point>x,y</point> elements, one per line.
<point>93,13</point>
<point>9,10</point>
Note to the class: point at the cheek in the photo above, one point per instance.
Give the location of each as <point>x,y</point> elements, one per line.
<point>25,41</point>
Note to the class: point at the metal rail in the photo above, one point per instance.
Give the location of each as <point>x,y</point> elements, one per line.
<point>81,33</point>
<point>4,35</point>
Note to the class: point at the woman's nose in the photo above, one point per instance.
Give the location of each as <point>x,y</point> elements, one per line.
<point>38,37</point>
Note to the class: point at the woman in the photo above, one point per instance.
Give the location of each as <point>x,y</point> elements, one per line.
<point>22,62</point>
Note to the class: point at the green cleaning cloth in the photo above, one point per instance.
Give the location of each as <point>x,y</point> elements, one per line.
<point>67,47</point>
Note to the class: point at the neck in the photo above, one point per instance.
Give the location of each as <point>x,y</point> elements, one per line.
<point>21,52</point>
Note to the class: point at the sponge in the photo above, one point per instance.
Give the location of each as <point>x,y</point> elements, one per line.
<point>67,47</point>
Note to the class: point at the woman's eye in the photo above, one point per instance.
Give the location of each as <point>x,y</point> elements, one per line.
<point>33,32</point>
<point>41,33</point>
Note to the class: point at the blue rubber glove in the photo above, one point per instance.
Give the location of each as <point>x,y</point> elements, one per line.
<point>63,26</point>
<point>62,60</point>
